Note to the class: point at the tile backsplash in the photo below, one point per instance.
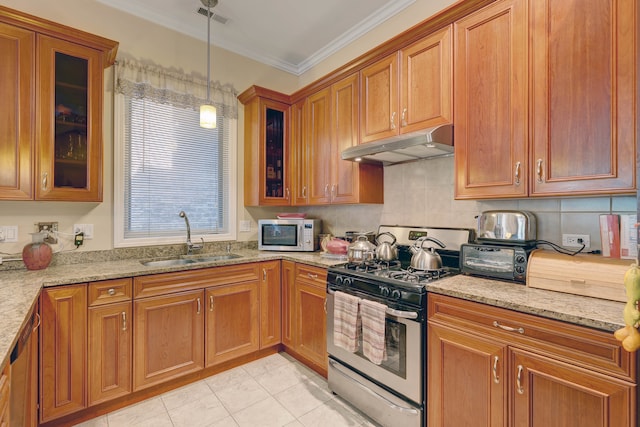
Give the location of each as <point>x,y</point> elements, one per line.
<point>421,193</point>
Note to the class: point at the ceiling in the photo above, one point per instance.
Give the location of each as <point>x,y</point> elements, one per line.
<point>292,35</point>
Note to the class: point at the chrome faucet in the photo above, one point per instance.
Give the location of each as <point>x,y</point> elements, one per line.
<point>190,246</point>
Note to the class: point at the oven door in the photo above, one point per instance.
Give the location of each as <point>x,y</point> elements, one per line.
<point>402,371</point>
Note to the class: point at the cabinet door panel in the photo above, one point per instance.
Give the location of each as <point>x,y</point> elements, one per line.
<point>17,56</point>
<point>169,337</point>
<point>63,351</point>
<point>546,392</point>
<point>345,175</point>
<point>270,312</point>
<point>288,303</point>
<point>426,85</point>
<point>110,351</point>
<point>584,81</point>
<point>379,117</point>
<point>299,160</point>
<point>467,379</point>
<point>490,103</point>
<point>311,327</point>
<point>232,321</point>
<point>318,128</point>
<point>69,162</point>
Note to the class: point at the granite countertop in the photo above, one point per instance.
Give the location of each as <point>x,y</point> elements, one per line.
<point>19,290</point>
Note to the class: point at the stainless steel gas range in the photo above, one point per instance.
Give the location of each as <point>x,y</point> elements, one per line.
<point>391,391</point>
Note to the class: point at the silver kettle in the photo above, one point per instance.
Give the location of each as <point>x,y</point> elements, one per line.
<point>426,259</point>
<point>386,251</point>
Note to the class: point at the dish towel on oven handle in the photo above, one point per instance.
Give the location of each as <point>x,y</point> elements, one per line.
<point>373,330</point>
<point>346,322</point>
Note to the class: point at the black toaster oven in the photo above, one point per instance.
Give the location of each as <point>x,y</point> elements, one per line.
<point>495,261</point>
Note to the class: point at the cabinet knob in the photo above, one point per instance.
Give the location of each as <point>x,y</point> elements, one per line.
<point>111,292</point>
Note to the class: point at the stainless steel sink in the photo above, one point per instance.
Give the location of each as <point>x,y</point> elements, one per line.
<point>185,261</point>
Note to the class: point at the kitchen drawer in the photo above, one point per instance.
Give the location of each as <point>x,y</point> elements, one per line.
<point>160,284</point>
<point>312,275</point>
<point>109,291</point>
<point>577,345</point>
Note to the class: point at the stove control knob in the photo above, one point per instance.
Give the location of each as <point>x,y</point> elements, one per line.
<point>384,291</point>
<point>520,259</point>
<point>347,281</point>
<point>339,280</point>
<point>395,294</point>
<point>519,269</point>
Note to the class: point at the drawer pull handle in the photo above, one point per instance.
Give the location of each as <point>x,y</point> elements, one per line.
<point>111,292</point>
<point>496,378</point>
<point>199,305</point>
<point>508,328</point>
<point>519,380</point>
<point>37,325</point>
<point>403,120</point>
<point>45,181</point>
<point>264,274</point>
<point>539,171</point>
<point>392,122</point>
<point>124,320</point>
<point>517,173</point>
<point>312,276</point>
<point>325,306</point>
<point>210,302</point>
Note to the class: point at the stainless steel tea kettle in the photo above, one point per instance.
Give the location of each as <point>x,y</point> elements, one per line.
<point>386,251</point>
<point>426,259</point>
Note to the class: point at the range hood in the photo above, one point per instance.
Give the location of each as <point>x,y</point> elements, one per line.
<point>432,142</point>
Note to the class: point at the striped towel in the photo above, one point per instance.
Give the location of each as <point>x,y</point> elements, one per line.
<point>346,322</point>
<point>373,328</point>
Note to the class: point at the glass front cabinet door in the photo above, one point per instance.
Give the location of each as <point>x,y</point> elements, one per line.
<point>69,138</point>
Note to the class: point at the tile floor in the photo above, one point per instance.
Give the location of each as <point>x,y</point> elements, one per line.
<point>273,391</point>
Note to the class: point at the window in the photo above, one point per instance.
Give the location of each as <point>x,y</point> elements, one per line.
<point>166,163</point>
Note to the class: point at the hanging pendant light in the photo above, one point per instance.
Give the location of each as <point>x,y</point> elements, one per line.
<point>208,111</point>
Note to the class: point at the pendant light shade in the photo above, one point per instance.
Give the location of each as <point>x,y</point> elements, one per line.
<point>208,117</point>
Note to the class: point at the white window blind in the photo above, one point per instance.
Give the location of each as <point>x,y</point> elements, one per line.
<point>169,163</point>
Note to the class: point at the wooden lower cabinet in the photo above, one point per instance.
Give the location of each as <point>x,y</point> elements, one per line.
<point>169,337</point>
<point>310,316</point>
<point>63,351</point>
<point>270,304</point>
<point>493,367</point>
<point>110,351</point>
<point>288,278</point>
<point>5,394</point>
<point>232,321</point>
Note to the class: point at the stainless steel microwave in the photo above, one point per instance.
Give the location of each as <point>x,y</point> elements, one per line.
<point>295,235</point>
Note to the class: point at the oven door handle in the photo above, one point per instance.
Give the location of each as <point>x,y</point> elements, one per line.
<point>368,390</point>
<point>391,311</point>
<point>402,314</point>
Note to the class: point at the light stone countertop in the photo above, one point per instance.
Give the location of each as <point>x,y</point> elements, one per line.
<point>19,290</point>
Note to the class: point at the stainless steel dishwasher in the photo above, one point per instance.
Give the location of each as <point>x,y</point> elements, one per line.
<point>24,374</point>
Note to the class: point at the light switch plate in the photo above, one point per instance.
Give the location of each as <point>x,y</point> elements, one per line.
<point>245,225</point>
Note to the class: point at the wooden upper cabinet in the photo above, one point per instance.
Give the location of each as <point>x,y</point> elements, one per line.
<point>490,102</point>
<point>17,56</point>
<point>318,141</point>
<point>266,148</point>
<point>409,90</point>
<point>51,137</point>
<point>379,98</point>
<point>584,96</point>
<point>565,123</point>
<point>426,82</point>
<point>299,156</point>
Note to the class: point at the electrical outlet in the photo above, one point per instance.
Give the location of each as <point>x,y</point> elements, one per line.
<point>576,240</point>
<point>9,234</point>
<point>245,225</point>
<point>87,229</point>
<point>52,228</point>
